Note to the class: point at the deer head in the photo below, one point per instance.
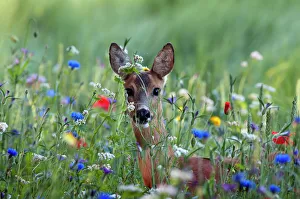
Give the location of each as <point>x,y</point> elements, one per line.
<point>144,89</point>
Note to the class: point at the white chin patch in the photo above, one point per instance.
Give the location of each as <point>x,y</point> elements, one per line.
<point>145,125</point>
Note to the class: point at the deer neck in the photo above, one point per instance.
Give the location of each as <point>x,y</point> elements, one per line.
<point>151,135</point>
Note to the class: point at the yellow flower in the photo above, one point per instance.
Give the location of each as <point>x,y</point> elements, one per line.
<point>70,139</point>
<point>215,120</point>
<point>177,119</point>
<point>145,69</point>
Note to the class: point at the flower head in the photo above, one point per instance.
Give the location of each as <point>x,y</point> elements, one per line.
<point>295,152</point>
<point>244,64</point>
<point>297,120</point>
<point>247,184</point>
<point>229,187</point>
<point>77,116</point>
<point>68,100</point>
<point>80,166</point>
<point>282,158</point>
<point>33,78</point>
<point>215,120</point>
<point>106,169</point>
<point>283,139</point>
<point>200,134</point>
<point>73,64</point>
<point>3,126</point>
<point>12,152</point>
<point>262,190</point>
<point>238,177</point>
<point>103,195</point>
<point>51,93</point>
<point>256,55</point>
<point>274,189</point>
<point>227,108</point>
<point>72,50</point>
<point>102,102</point>
<point>254,127</point>
<point>171,99</point>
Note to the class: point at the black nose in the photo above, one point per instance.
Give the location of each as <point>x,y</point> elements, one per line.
<point>143,115</point>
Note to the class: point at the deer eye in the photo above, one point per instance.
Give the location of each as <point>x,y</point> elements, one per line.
<point>129,92</point>
<point>156,91</point>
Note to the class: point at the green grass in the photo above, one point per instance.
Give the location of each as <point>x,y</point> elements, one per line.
<point>211,39</point>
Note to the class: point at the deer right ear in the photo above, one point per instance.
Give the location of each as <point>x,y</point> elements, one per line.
<point>164,61</point>
<point>117,58</point>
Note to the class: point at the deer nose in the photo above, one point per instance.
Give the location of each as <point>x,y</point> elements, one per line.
<point>143,115</point>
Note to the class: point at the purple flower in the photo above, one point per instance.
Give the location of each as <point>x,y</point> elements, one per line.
<point>262,190</point>
<point>172,100</point>
<point>282,159</point>
<point>60,157</point>
<point>274,189</point>
<point>200,134</point>
<point>111,100</point>
<point>33,78</point>
<point>68,100</point>
<point>229,187</point>
<point>73,64</point>
<point>254,127</point>
<point>24,51</point>
<point>106,170</point>
<point>17,61</point>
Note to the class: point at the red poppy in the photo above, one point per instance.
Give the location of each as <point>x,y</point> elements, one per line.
<point>283,139</point>
<point>227,108</point>
<point>103,103</point>
<point>81,143</point>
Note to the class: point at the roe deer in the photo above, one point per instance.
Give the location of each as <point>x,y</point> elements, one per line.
<point>144,89</point>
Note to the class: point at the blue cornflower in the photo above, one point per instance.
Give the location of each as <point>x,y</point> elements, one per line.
<point>77,116</point>
<point>51,93</point>
<point>12,152</point>
<point>75,134</point>
<point>248,184</point>
<point>80,166</point>
<point>274,189</point>
<point>238,177</point>
<point>73,64</point>
<point>297,120</point>
<point>282,159</point>
<point>103,195</point>
<point>15,132</point>
<point>200,134</point>
<point>296,152</point>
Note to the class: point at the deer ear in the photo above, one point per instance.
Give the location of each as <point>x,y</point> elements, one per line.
<point>117,58</point>
<point>164,61</point>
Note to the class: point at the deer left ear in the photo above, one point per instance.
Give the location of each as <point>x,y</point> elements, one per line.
<point>164,61</point>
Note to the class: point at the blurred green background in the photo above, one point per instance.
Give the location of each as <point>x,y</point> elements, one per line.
<point>211,38</point>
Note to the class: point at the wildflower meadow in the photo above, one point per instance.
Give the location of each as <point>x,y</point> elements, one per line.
<point>67,124</point>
